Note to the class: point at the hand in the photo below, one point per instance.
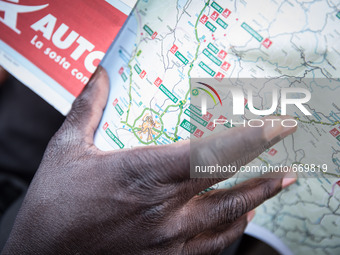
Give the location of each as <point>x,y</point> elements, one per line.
<point>140,200</point>
<point>3,75</point>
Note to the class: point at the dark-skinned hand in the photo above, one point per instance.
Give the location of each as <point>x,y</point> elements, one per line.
<point>140,200</point>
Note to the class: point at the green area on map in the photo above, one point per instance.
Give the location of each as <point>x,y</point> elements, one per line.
<point>181,58</point>
<point>124,77</point>
<point>148,30</point>
<point>221,23</point>
<point>136,67</point>
<point>114,138</point>
<point>212,57</point>
<point>188,126</point>
<point>168,93</point>
<point>207,69</point>
<point>196,118</point>
<point>119,110</point>
<point>217,7</point>
<point>195,109</point>
<point>210,26</point>
<point>252,31</point>
<point>213,48</point>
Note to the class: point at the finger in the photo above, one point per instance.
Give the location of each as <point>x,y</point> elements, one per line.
<point>220,207</point>
<point>3,75</point>
<point>214,241</point>
<point>88,107</point>
<point>235,147</point>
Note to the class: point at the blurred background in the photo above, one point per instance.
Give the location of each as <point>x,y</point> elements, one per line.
<point>27,123</point>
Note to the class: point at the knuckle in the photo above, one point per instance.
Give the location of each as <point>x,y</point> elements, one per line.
<point>65,136</point>
<point>271,188</point>
<point>79,107</point>
<point>237,204</point>
<point>82,101</point>
<point>143,177</point>
<point>65,143</point>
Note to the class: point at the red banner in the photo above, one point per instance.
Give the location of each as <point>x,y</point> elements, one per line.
<point>65,39</point>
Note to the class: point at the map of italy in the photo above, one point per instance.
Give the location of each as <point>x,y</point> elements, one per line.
<point>166,44</point>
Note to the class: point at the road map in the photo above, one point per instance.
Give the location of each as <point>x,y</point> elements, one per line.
<point>164,44</point>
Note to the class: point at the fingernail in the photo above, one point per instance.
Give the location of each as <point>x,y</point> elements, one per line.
<point>250,215</point>
<point>288,179</point>
<point>275,127</point>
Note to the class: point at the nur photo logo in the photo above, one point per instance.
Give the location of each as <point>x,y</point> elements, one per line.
<point>235,100</point>
<point>210,91</point>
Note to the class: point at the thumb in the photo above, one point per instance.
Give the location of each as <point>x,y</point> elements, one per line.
<point>87,109</point>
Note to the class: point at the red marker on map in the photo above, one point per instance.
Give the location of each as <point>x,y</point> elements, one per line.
<point>204,19</point>
<point>334,132</point>
<point>105,126</point>
<point>211,126</point>
<point>154,35</point>
<point>225,66</point>
<point>115,102</point>
<point>266,43</point>
<point>333,187</point>
<point>222,118</point>
<point>207,116</point>
<point>142,74</point>
<point>158,82</point>
<point>219,76</point>
<point>272,152</point>
<point>226,13</point>
<point>173,49</point>
<point>222,54</point>
<point>121,70</point>
<point>214,15</point>
<point>198,133</point>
